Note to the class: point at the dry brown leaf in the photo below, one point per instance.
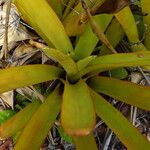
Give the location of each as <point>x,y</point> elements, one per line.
<point>15,33</point>
<point>8,98</point>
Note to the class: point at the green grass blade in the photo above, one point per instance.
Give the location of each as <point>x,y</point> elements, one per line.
<point>77,112</point>
<point>130,93</point>
<point>64,60</point>
<point>132,139</point>
<point>18,121</point>
<point>85,142</point>
<point>46,24</point>
<point>37,128</point>
<point>21,76</point>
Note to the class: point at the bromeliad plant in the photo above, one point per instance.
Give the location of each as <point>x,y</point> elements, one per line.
<point>77,96</point>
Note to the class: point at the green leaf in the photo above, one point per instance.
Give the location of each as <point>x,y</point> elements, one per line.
<point>88,40</point>
<point>114,39</point>
<point>21,76</point>
<point>85,142</point>
<point>5,115</point>
<point>85,62</point>
<point>124,130</point>
<point>77,112</point>
<point>127,92</point>
<point>64,60</point>
<point>18,121</point>
<point>98,31</point>
<point>42,120</point>
<point>46,24</point>
<point>109,62</point>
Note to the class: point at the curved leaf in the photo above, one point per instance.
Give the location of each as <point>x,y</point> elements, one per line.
<point>127,92</point>
<point>21,76</point>
<point>119,124</point>
<point>85,142</point>
<point>37,128</point>
<point>47,24</point>
<point>18,121</point>
<point>108,62</point>
<point>77,112</point>
<point>64,60</point>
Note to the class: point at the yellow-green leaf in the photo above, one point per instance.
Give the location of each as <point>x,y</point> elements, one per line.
<point>114,39</point>
<point>64,60</point>
<point>85,62</point>
<point>88,40</point>
<point>108,62</point>
<point>130,93</point>
<point>57,6</point>
<point>37,128</point>
<point>18,121</point>
<point>45,22</point>
<point>126,19</point>
<point>75,21</point>
<point>21,76</point>
<point>69,7</point>
<point>130,136</point>
<point>77,112</point>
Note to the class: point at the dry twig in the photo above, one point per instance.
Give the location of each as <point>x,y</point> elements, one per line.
<point>5,45</point>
